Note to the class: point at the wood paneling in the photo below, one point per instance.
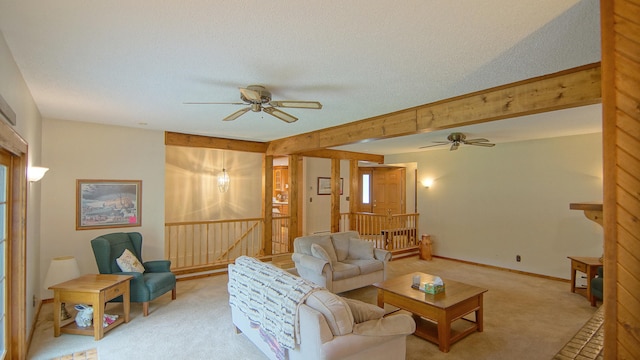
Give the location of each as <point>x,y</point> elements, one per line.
<point>178,139</point>
<point>620,23</point>
<point>571,88</point>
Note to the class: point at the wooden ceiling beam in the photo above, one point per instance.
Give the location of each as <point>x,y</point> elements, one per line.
<point>178,139</point>
<point>575,87</point>
<point>344,155</point>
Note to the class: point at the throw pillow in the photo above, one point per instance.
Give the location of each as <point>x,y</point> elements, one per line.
<point>363,311</point>
<point>129,262</point>
<point>327,245</point>
<point>360,249</point>
<point>334,309</point>
<point>320,253</point>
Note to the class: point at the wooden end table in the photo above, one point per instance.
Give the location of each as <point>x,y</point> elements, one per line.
<point>94,290</point>
<point>457,301</point>
<point>587,265</point>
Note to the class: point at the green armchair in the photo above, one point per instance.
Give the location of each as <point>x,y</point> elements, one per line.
<point>597,283</point>
<point>156,279</point>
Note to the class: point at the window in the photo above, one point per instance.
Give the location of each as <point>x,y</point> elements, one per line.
<point>366,198</point>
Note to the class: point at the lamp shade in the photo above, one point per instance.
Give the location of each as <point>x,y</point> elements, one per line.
<point>61,269</point>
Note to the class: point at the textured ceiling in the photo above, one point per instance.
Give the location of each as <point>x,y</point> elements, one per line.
<point>134,63</point>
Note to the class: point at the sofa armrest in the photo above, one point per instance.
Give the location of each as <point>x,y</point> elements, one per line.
<point>399,324</point>
<point>381,254</point>
<point>155,266</point>
<point>314,264</point>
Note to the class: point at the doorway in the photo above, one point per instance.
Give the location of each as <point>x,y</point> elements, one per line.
<point>383,190</point>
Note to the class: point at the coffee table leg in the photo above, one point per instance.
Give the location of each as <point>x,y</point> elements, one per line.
<point>444,332</point>
<point>480,315</point>
<point>56,313</point>
<point>381,298</point>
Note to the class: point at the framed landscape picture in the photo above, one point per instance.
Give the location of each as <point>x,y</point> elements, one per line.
<point>108,203</point>
<point>324,185</point>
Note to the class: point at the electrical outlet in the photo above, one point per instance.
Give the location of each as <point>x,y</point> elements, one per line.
<point>518,258</point>
<point>34,301</point>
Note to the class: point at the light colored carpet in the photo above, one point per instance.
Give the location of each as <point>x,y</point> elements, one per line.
<point>525,317</point>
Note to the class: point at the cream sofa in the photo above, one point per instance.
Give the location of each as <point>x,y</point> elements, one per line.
<point>319,325</point>
<point>339,261</point>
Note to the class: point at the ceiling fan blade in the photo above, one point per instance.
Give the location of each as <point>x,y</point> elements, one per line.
<point>296,104</point>
<point>486,144</point>
<point>471,141</point>
<point>280,114</point>
<point>454,146</point>
<point>236,114</point>
<point>214,103</point>
<point>251,95</point>
<point>439,143</point>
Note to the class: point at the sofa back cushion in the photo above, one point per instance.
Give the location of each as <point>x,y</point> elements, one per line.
<point>360,249</point>
<point>341,243</point>
<point>303,245</point>
<point>335,310</point>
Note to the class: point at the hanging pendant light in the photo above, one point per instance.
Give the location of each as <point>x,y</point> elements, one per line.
<point>223,178</point>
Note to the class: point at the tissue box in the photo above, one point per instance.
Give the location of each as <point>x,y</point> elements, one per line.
<point>430,288</point>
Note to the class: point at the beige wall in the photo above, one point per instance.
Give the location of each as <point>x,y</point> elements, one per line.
<point>81,150</point>
<point>28,125</point>
<point>191,192</point>
<point>488,205</point>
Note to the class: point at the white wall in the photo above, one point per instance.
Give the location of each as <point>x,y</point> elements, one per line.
<point>488,205</point>
<point>191,192</point>
<point>80,150</point>
<point>317,208</point>
<point>29,126</point>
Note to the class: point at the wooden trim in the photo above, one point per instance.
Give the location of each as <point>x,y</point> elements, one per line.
<point>267,203</point>
<point>344,155</point>
<point>335,195</point>
<point>178,139</point>
<point>566,89</point>
<point>504,269</point>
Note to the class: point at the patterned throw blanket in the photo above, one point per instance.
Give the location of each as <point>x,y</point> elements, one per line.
<point>269,296</point>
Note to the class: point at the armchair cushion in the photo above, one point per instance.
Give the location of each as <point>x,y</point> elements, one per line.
<point>363,311</point>
<point>335,310</point>
<point>360,249</point>
<point>129,262</point>
<point>399,324</point>
<point>157,266</point>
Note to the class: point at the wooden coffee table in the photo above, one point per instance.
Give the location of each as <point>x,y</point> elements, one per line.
<point>95,290</point>
<point>434,314</point>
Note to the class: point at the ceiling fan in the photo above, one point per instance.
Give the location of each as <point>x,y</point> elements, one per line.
<point>259,99</point>
<point>456,138</point>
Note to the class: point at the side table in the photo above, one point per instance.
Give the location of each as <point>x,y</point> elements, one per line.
<point>587,265</point>
<point>94,290</point>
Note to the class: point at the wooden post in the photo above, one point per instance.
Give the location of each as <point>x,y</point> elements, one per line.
<point>267,204</point>
<point>335,195</point>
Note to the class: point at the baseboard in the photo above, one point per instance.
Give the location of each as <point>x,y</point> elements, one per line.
<point>504,269</point>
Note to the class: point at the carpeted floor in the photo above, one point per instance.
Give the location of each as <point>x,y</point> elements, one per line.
<point>525,317</point>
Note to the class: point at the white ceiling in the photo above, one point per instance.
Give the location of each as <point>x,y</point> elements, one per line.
<point>134,63</point>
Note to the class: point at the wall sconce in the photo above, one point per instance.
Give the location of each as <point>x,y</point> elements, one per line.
<point>427,183</point>
<point>35,173</point>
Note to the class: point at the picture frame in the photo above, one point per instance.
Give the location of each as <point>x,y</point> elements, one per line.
<point>102,204</point>
<point>324,185</point>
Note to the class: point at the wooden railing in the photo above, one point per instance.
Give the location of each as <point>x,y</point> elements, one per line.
<point>194,246</point>
<point>390,232</point>
<point>202,244</point>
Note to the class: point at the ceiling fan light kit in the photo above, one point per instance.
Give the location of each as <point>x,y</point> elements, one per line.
<point>456,139</point>
<point>258,98</point>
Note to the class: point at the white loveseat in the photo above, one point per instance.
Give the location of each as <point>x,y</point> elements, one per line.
<point>324,326</point>
<point>339,261</point>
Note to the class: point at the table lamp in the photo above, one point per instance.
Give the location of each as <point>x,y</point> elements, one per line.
<point>61,269</point>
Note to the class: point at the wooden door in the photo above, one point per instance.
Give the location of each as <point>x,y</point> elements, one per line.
<point>388,193</point>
